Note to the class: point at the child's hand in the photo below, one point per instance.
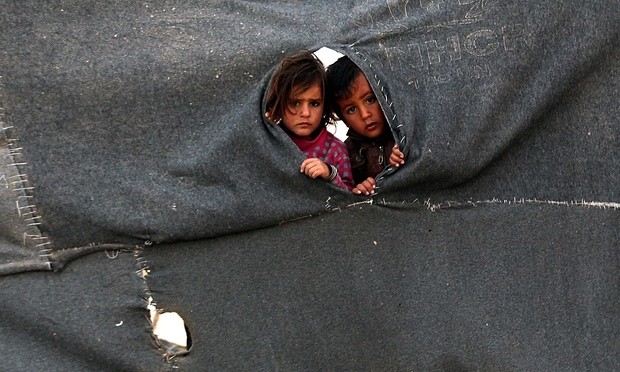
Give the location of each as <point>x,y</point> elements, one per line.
<point>366,187</point>
<point>314,168</point>
<point>397,158</point>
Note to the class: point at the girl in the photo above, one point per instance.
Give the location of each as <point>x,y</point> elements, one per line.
<point>295,98</point>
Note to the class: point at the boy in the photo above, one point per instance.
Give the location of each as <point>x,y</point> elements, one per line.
<point>370,142</point>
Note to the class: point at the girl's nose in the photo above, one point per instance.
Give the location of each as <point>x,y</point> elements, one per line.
<point>304,110</point>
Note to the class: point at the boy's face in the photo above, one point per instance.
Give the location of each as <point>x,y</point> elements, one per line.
<point>304,111</point>
<point>361,112</point>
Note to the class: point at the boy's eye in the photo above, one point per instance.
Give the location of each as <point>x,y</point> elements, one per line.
<point>315,104</point>
<point>371,99</point>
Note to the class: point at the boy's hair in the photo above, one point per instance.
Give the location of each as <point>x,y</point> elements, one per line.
<point>295,74</point>
<point>340,76</point>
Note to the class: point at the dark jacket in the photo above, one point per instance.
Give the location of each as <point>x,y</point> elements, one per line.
<point>369,156</point>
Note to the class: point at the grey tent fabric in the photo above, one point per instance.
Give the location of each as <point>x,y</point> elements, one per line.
<point>485,287</point>
<point>90,318</point>
<point>139,126</point>
<point>128,116</point>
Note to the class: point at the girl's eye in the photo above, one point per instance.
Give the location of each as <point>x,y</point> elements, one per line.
<point>315,103</point>
<point>371,99</point>
<point>351,110</point>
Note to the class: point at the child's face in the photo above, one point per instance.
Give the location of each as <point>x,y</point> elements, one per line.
<point>361,112</point>
<point>304,112</point>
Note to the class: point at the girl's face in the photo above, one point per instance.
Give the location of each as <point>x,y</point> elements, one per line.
<point>304,111</point>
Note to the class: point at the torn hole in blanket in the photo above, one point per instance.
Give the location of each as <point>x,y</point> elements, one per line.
<point>361,111</point>
<point>327,57</point>
<point>169,331</point>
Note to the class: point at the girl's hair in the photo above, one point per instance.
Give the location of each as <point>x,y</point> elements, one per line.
<point>295,74</point>
<point>340,77</point>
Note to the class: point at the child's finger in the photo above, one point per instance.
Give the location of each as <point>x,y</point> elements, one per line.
<point>305,165</point>
<point>397,151</point>
<point>312,171</point>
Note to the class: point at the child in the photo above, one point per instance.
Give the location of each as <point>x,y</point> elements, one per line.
<point>370,142</point>
<point>296,99</point>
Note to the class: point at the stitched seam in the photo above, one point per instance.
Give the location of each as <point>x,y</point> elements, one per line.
<point>515,201</point>
<point>20,186</point>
